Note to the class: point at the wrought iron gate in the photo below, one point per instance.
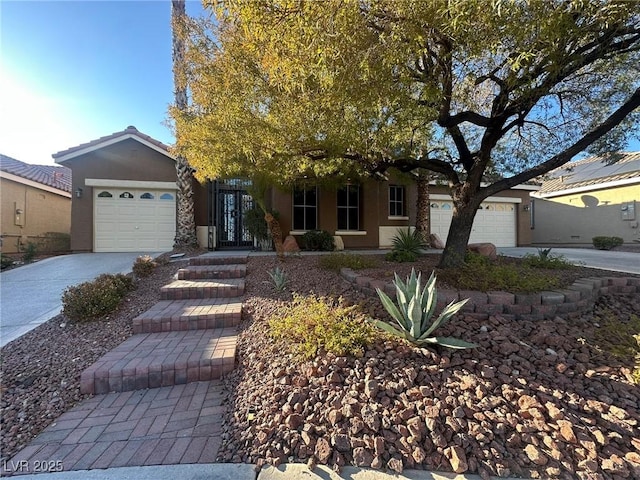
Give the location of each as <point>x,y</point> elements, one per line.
<point>231,201</point>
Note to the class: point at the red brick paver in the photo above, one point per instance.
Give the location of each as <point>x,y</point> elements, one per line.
<point>151,438</point>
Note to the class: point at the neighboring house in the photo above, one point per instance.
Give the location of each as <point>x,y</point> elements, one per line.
<point>589,198</point>
<point>36,205</point>
<point>127,187</point>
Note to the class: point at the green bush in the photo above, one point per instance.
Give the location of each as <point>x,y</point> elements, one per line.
<point>499,276</point>
<point>408,241</point>
<point>309,324</point>
<point>318,240</point>
<point>473,258</point>
<point>544,259</point>
<point>144,266</point>
<point>400,256</point>
<point>621,338</point>
<point>29,253</point>
<point>5,262</point>
<point>91,300</point>
<point>336,261</point>
<point>607,243</point>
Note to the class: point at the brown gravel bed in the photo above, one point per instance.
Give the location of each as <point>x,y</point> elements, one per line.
<point>536,399</point>
<point>41,369</point>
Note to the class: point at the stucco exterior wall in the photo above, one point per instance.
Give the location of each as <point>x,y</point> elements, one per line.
<point>43,212</point>
<point>125,160</point>
<point>374,212</point>
<point>575,219</point>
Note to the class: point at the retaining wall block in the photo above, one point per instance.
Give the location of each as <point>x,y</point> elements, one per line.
<point>502,298</point>
<point>528,299</point>
<point>551,298</point>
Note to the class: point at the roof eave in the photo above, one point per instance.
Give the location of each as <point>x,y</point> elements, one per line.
<point>63,157</point>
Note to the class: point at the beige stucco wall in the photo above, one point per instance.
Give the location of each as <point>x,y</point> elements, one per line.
<point>43,212</point>
<point>126,160</point>
<point>577,218</point>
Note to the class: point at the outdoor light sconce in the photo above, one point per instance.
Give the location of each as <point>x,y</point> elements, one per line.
<point>79,193</point>
<point>525,207</point>
<point>18,211</point>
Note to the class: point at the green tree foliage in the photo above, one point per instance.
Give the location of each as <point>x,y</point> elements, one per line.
<point>470,90</point>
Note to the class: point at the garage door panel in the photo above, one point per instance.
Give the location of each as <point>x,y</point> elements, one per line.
<point>134,224</point>
<point>495,223</point>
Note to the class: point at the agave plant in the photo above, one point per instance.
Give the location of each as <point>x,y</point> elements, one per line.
<point>409,241</point>
<point>279,278</point>
<point>415,311</point>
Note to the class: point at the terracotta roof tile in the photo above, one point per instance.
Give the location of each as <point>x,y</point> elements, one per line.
<point>51,175</point>
<point>591,171</point>
<point>130,130</point>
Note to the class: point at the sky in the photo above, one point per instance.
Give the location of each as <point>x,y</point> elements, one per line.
<point>74,71</point>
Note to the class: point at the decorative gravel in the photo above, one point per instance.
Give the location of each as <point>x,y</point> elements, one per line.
<point>536,399</point>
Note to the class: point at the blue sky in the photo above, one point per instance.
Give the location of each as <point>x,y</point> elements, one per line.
<point>73,71</point>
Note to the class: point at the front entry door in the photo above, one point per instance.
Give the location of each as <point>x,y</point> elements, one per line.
<point>231,203</point>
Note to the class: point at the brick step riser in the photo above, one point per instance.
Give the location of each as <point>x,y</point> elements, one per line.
<point>195,261</point>
<point>156,325</point>
<point>201,293</point>
<point>209,275</point>
<point>157,379</point>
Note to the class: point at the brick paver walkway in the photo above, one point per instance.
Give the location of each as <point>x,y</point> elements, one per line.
<point>159,426</point>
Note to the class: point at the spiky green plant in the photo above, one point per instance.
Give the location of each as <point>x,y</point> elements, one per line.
<point>279,278</point>
<point>415,311</point>
<point>408,241</point>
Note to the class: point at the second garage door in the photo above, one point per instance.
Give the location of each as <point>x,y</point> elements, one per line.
<point>495,222</point>
<point>133,220</point>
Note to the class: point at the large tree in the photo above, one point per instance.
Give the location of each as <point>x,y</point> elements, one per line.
<point>463,89</point>
<point>185,219</point>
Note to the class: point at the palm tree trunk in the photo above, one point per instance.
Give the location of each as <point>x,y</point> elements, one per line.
<point>185,219</point>
<point>423,207</point>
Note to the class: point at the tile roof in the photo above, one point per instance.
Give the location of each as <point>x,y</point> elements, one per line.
<point>591,171</point>
<point>51,175</point>
<point>130,130</point>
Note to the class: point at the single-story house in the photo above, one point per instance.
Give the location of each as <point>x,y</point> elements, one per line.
<point>36,205</point>
<point>588,198</point>
<point>125,200</point>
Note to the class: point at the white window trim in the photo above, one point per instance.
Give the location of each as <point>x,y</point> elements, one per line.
<point>350,232</point>
<point>390,217</point>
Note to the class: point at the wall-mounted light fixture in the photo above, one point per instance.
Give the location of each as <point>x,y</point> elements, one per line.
<point>78,192</point>
<point>18,211</point>
<point>525,207</point>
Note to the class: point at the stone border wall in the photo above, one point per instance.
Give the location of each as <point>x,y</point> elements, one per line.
<point>568,302</point>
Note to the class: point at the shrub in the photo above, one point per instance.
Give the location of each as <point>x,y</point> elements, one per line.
<point>336,261</point>
<point>30,251</point>
<point>309,324</point>
<point>415,310</point>
<point>5,262</point>
<point>255,223</point>
<point>144,266</point>
<point>473,258</point>
<point>318,240</point>
<point>544,259</point>
<point>409,241</point>
<point>621,338</point>
<point>91,300</point>
<point>400,256</point>
<point>607,243</point>
<point>279,278</point>
<point>498,276</point>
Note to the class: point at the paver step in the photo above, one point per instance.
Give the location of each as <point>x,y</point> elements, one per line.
<point>216,260</point>
<point>196,314</point>
<point>151,360</point>
<point>193,289</point>
<point>195,272</point>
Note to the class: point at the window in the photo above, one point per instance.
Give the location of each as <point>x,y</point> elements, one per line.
<point>349,207</point>
<point>147,196</point>
<point>104,194</point>
<point>305,208</point>
<point>396,201</point>
<point>126,195</point>
<point>166,196</point>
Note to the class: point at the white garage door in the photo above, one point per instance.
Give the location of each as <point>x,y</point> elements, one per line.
<point>133,220</point>
<point>495,222</point>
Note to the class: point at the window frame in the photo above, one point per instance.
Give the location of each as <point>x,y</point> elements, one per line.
<point>395,202</point>
<point>306,207</point>
<point>350,209</point>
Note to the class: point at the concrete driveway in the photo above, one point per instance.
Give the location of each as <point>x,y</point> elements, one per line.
<point>30,295</point>
<point>627,262</point>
